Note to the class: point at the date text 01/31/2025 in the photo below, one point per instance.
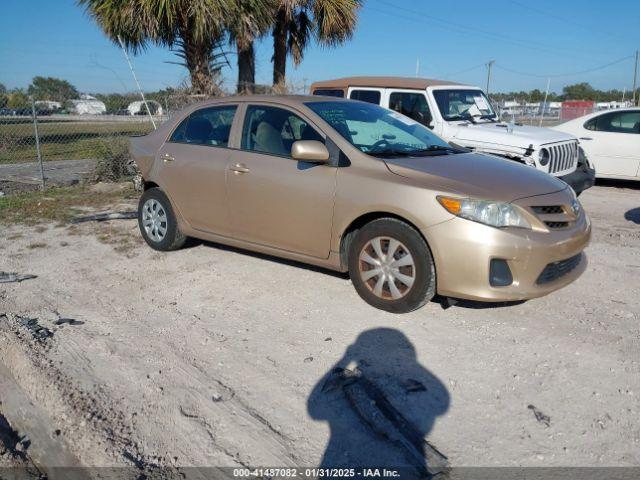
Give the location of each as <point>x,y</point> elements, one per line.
<point>316,472</point>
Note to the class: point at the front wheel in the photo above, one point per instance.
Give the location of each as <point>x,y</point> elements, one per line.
<point>391,266</point>
<point>157,221</point>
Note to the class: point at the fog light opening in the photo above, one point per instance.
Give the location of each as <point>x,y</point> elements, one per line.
<point>499,273</point>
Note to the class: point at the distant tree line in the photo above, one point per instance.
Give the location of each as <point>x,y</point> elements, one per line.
<point>577,91</point>
<point>58,90</point>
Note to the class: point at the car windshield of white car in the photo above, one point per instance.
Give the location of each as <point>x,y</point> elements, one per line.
<point>380,132</point>
<point>469,105</point>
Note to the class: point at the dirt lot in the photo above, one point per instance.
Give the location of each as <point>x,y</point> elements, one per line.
<point>213,356</point>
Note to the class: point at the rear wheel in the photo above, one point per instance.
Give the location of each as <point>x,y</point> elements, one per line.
<point>157,221</point>
<point>391,266</point>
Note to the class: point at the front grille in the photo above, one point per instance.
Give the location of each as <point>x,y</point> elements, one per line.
<point>556,224</point>
<point>548,209</point>
<point>563,156</point>
<point>556,270</point>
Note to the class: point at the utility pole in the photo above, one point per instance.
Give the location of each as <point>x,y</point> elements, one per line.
<point>635,77</point>
<point>489,65</point>
<point>544,104</point>
<point>417,67</point>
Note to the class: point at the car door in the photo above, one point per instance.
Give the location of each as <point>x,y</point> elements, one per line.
<point>193,168</point>
<point>275,200</point>
<point>612,142</point>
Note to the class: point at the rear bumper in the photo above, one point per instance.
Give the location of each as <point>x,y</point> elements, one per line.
<point>463,251</point>
<point>580,180</point>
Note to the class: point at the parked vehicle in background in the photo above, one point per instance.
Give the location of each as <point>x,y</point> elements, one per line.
<point>611,140</point>
<point>354,187</point>
<point>463,116</point>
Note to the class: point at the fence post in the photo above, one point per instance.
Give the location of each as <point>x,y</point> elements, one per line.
<point>35,132</point>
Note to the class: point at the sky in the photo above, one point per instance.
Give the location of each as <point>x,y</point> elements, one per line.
<point>568,41</point>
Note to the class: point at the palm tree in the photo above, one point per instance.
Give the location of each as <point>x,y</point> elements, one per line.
<point>250,20</point>
<point>194,27</point>
<point>331,22</point>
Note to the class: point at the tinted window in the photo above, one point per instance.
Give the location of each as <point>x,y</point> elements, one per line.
<point>413,105</point>
<point>329,93</point>
<point>273,130</point>
<point>370,96</point>
<point>207,126</point>
<point>616,122</point>
<point>375,130</point>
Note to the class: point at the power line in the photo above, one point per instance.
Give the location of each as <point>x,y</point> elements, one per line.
<point>471,30</point>
<point>590,29</point>
<point>537,75</point>
<point>466,70</point>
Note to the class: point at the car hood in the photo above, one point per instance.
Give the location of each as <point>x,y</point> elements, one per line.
<point>476,175</point>
<point>512,135</point>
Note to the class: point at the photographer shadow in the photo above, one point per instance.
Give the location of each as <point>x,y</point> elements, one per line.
<point>379,417</point>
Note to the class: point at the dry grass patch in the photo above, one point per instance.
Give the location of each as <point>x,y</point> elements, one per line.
<point>58,204</point>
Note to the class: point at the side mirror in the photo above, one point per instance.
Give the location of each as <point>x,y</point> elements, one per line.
<point>310,151</point>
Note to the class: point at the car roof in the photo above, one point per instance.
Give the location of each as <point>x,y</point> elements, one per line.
<point>382,82</point>
<point>281,99</point>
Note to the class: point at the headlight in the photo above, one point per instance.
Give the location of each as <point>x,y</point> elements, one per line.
<point>494,214</point>
<point>543,157</point>
<point>582,158</point>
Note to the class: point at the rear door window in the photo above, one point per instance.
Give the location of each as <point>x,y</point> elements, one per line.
<point>206,126</point>
<point>369,96</point>
<point>616,122</point>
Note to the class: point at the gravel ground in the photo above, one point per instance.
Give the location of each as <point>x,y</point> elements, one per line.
<point>214,356</point>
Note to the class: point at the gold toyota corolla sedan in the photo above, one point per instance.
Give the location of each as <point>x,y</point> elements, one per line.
<point>354,187</point>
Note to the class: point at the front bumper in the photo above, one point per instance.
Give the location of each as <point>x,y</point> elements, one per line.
<point>580,180</point>
<point>463,250</point>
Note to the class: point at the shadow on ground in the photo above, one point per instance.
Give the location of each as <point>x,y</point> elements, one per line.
<point>633,215</point>
<point>381,418</point>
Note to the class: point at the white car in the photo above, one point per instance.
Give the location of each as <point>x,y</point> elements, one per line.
<point>611,141</point>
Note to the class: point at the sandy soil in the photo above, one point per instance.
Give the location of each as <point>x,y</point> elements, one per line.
<point>213,356</point>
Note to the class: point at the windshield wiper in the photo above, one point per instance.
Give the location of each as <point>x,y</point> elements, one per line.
<point>389,153</point>
<point>430,150</point>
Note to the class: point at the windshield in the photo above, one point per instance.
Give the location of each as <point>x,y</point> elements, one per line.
<point>464,105</point>
<point>377,131</point>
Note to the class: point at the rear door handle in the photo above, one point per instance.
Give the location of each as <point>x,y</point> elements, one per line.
<point>167,158</point>
<point>240,168</point>
<point>586,138</point>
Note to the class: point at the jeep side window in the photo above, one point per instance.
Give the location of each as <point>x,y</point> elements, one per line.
<point>412,105</point>
<point>369,96</point>
<point>327,92</point>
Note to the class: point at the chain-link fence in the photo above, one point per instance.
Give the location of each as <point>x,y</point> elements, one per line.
<point>65,148</point>
<point>87,141</point>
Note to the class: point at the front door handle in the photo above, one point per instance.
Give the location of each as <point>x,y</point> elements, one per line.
<point>586,138</point>
<point>240,168</point>
<point>167,158</point>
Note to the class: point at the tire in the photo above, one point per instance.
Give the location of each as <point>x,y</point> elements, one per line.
<point>401,284</point>
<point>155,206</point>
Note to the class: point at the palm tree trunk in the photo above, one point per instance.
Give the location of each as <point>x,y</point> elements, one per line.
<point>246,67</point>
<point>280,49</point>
<point>198,58</point>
